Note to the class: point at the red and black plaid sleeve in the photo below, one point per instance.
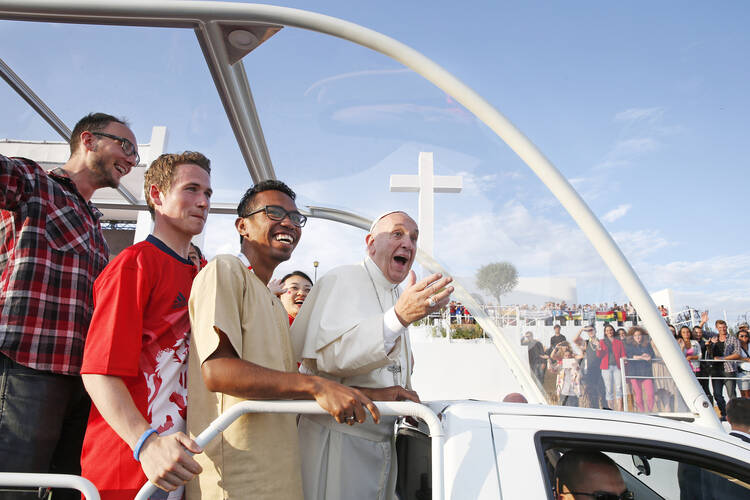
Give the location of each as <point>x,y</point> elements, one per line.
<point>52,249</point>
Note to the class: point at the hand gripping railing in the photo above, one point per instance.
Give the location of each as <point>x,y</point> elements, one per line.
<point>39,480</point>
<point>390,408</point>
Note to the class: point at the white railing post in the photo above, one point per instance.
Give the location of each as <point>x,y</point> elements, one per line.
<point>625,404</point>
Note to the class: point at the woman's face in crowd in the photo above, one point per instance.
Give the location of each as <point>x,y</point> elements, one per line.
<point>743,336</point>
<point>296,292</point>
<point>609,331</point>
<point>637,336</point>
<point>685,334</point>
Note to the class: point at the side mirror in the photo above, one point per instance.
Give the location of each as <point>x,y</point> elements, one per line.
<point>641,464</point>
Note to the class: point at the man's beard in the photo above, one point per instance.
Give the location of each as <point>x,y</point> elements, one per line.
<point>104,177</point>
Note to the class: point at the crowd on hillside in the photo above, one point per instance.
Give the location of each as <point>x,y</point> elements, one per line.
<point>578,314</point>
<point>563,306</point>
<point>586,370</point>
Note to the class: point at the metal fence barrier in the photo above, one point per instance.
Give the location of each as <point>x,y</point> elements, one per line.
<point>624,375</point>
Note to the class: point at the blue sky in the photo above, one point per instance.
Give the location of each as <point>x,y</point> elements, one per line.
<point>643,106</point>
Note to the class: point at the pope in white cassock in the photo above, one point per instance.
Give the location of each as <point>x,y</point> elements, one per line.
<point>353,329</point>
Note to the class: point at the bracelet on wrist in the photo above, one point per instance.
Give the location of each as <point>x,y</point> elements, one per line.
<point>137,450</point>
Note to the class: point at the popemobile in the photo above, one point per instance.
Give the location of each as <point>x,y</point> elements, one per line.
<point>467,445</point>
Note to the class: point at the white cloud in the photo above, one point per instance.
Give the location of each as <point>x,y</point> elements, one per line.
<point>639,114</point>
<point>537,245</point>
<point>636,245</point>
<point>616,213</point>
<point>578,181</point>
<point>474,185</point>
<point>720,284</point>
<point>634,146</point>
<point>721,272</point>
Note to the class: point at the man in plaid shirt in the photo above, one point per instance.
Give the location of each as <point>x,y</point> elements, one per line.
<point>51,250</point>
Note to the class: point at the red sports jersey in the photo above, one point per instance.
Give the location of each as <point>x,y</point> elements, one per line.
<point>140,333</point>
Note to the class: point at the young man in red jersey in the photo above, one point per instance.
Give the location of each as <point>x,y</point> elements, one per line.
<point>135,358</point>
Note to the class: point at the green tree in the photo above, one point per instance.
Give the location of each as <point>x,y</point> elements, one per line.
<point>497,278</point>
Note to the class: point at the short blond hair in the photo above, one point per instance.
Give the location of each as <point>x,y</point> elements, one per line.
<point>161,172</point>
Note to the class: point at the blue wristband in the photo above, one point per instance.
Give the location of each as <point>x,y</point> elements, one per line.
<point>139,444</point>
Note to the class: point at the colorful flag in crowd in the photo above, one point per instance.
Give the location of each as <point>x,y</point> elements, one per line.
<point>605,316</point>
<point>621,315</point>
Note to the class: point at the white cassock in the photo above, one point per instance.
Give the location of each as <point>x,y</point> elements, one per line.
<point>347,331</point>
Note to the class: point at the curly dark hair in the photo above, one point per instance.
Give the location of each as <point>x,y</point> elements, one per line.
<point>246,202</point>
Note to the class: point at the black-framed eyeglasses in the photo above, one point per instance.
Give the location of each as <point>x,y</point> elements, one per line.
<point>605,495</point>
<point>127,147</point>
<point>277,213</point>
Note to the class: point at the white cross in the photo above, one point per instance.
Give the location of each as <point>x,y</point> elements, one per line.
<point>426,183</point>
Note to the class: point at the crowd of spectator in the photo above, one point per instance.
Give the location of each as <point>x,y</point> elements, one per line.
<point>586,370</point>
<point>564,307</point>
<point>561,312</point>
<point>459,314</point>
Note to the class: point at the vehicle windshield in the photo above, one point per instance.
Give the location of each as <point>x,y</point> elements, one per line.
<point>340,120</point>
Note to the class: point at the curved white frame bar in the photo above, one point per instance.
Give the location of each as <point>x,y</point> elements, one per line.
<point>390,408</point>
<point>38,480</point>
<point>199,15</point>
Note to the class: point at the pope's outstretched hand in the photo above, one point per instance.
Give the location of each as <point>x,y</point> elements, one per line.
<point>423,297</point>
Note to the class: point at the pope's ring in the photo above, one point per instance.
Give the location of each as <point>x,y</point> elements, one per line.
<point>431,302</point>
<point>350,418</point>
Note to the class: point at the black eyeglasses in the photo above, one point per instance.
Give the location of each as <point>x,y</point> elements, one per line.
<point>127,147</point>
<point>277,213</point>
<point>605,495</point>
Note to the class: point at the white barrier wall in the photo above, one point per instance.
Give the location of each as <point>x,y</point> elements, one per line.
<point>460,369</point>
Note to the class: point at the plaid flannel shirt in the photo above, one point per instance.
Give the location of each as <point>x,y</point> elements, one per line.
<point>51,251</point>
<point>731,346</point>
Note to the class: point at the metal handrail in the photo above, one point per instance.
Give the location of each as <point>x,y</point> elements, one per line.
<point>622,361</point>
<point>390,408</point>
<point>40,480</point>
<point>624,376</point>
